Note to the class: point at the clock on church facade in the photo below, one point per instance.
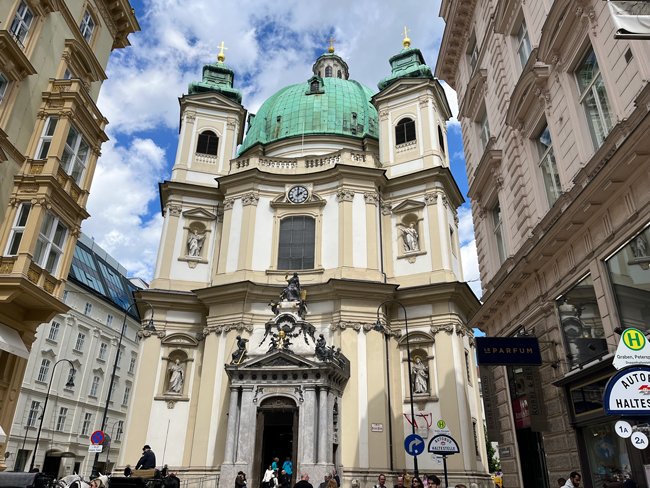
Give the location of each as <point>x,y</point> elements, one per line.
<point>284,233</point>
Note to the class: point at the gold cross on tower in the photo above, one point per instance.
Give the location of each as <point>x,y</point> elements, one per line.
<point>221,56</point>
<point>406,42</point>
<point>331,48</point>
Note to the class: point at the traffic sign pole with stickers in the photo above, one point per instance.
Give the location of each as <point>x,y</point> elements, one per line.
<point>443,445</point>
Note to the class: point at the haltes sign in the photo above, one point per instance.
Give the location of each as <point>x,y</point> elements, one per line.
<point>507,350</point>
<point>632,350</point>
<point>628,392</point>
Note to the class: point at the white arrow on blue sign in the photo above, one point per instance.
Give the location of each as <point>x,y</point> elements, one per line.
<point>414,445</point>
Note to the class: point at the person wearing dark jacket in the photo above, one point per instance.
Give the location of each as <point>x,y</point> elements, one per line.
<point>148,459</point>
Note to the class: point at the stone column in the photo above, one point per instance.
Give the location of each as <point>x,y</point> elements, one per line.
<point>233,426</point>
<point>323,426</point>
<point>308,425</point>
<point>246,437</point>
<point>330,428</point>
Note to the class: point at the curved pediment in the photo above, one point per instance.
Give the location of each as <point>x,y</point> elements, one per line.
<point>525,96</point>
<point>180,340</point>
<point>560,24</point>
<point>474,95</point>
<point>505,16</point>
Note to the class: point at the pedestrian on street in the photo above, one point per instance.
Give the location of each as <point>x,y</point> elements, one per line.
<point>287,466</point>
<point>400,482</point>
<point>148,459</point>
<point>381,481</point>
<point>326,479</point>
<point>304,482</point>
<point>128,471</point>
<point>335,477</point>
<point>240,480</point>
<point>574,480</point>
<point>434,481</point>
<point>284,480</point>
<point>274,464</point>
<point>561,482</point>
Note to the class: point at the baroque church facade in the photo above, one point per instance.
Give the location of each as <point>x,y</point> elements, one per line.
<point>306,250</point>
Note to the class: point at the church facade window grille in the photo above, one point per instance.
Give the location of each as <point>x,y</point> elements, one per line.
<point>405,131</point>
<point>208,143</point>
<point>296,243</point>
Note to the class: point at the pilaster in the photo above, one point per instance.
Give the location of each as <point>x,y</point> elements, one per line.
<point>372,233</point>
<point>223,244</point>
<point>345,196</point>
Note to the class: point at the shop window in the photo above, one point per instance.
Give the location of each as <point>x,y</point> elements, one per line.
<point>208,143</point>
<point>588,398</point>
<point>296,243</point>
<point>607,454</point>
<point>548,166</point>
<point>405,131</point>
<point>593,97</point>
<point>51,240</point>
<point>629,274</point>
<point>21,23</point>
<point>18,229</point>
<point>582,328</point>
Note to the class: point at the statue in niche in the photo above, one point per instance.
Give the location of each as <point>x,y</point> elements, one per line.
<point>239,355</point>
<point>410,236</point>
<point>640,247</point>
<point>291,292</point>
<point>194,243</point>
<point>420,373</point>
<point>176,377</point>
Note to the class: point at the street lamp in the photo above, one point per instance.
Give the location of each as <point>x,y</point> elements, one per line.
<point>69,384</point>
<point>26,426</point>
<point>150,327</point>
<point>381,327</point>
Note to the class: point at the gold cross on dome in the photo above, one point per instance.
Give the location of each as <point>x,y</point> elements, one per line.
<point>331,48</point>
<point>221,56</point>
<point>406,42</point>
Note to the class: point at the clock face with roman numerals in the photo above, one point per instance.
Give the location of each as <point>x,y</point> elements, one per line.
<point>298,194</point>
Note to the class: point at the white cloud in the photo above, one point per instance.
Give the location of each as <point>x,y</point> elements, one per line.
<point>125,186</point>
<point>270,45</point>
<point>468,254</point>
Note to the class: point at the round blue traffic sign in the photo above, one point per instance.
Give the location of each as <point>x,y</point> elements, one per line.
<point>414,445</point>
<point>97,437</point>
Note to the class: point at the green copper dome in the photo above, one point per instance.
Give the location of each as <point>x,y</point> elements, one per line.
<point>328,106</point>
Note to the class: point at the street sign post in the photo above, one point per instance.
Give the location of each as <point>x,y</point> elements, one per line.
<point>95,448</point>
<point>97,437</point>
<point>443,445</point>
<point>633,349</point>
<point>414,445</point>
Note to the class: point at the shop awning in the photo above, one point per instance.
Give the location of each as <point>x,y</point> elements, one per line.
<point>11,342</point>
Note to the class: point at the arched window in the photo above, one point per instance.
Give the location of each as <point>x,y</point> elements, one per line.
<point>405,131</point>
<point>314,87</point>
<point>441,139</point>
<point>297,242</point>
<point>339,74</point>
<point>328,72</point>
<point>208,143</point>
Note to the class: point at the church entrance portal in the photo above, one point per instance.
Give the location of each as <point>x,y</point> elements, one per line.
<point>276,435</point>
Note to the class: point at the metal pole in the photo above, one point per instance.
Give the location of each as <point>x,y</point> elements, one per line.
<point>444,466</point>
<point>94,472</point>
<point>408,361</point>
<point>47,396</point>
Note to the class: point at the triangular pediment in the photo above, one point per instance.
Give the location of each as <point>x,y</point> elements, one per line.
<point>408,206</point>
<point>401,85</point>
<point>200,214</point>
<point>212,98</point>
<point>279,359</point>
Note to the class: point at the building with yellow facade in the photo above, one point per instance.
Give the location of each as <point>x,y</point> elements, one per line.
<point>52,60</point>
<point>350,189</point>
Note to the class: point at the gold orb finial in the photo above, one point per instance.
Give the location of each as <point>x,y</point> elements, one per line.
<point>221,57</point>
<point>406,42</point>
<point>331,48</point>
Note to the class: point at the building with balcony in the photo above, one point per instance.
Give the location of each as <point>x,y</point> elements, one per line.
<point>351,189</point>
<point>554,115</point>
<point>101,307</point>
<point>52,60</point>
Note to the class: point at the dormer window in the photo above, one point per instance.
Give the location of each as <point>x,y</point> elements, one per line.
<point>405,131</point>
<point>328,72</point>
<point>208,143</point>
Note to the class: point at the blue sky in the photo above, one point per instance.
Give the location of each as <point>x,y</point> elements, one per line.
<point>270,45</point>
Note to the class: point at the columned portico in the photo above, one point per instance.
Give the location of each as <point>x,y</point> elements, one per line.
<point>287,379</point>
